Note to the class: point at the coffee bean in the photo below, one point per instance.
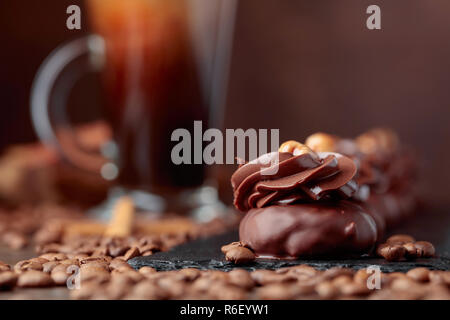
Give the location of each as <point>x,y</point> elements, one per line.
<point>4,266</point>
<point>25,265</point>
<point>230,246</point>
<point>49,266</point>
<point>326,290</point>
<point>412,251</point>
<point>146,290</point>
<point>264,277</point>
<point>8,280</point>
<point>353,289</point>
<point>419,274</point>
<point>391,252</point>
<point>342,280</point>
<point>336,272</point>
<point>241,278</point>
<point>15,240</point>
<point>33,278</point>
<point>361,276</point>
<point>223,291</point>
<point>131,253</point>
<point>400,239</point>
<point>426,248</point>
<point>116,251</point>
<point>39,260</point>
<point>188,274</point>
<point>174,288</point>
<point>54,256</point>
<point>437,292</point>
<point>240,255</point>
<point>60,277</point>
<point>147,270</point>
<point>439,277</point>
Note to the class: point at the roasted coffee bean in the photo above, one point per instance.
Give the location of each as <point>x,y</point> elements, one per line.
<point>188,274</point>
<point>241,278</point>
<point>437,292</point>
<point>54,256</point>
<point>49,266</point>
<point>60,277</point>
<point>133,275</point>
<point>146,290</point>
<point>39,260</point>
<point>4,266</point>
<point>336,272</point>
<point>118,263</point>
<point>419,274</point>
<point>33,278</point>
<point>131,253</point>
<point>15,240</point>
<point>353,289</point>
<point>342,280</point>
<point>151,247</point>
<point>264,277</point>
<point>361,276</point>
<point>394,252</point>
<point>230,246</point>
<point>89,272</point>
<point>8,280</point>
<point>426,248</point>
<point>174,288</point>
<point>400,239</point>
<point>116,251</point>
<point>25,265</point>
<point>327,290</point>
<point>439,277</point>
<point>224,291</point>
<point>412,252</point>
<point>240,255</point>
<point>147,270</point>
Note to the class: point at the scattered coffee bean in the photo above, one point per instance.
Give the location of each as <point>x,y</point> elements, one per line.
<point>147,270</point>
<point>426,248</point>
<point>240,255</point>
<point>400,239</point>
<point>25,265</point>
<point>49,266</point>
<point>33,278</point>
<point>400,247</point>
<point>131,253</point>
<point>391,252</point>
<point>4,266</point>
<point>230,246</point>
<point>8,280</point>
<point>419,274</point>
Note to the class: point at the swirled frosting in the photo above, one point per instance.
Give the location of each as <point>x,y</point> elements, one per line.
<point>291,178</point>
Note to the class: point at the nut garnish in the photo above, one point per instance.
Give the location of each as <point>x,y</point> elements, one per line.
<point>321,142</point>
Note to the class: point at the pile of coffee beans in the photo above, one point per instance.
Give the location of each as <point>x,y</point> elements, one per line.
<point>404,247</point>
<point>104,277</point>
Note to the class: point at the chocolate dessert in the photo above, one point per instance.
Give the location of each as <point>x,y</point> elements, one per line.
<point>329,197</point>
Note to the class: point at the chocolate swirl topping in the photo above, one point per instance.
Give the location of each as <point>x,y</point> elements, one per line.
<point>299,177</point>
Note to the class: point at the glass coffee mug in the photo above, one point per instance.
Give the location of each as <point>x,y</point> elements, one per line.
<point>163,65</point>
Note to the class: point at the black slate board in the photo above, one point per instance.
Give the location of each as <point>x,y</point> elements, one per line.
<point>205,253</point>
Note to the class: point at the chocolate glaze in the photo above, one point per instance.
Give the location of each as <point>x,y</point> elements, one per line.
<point>309,229</point>
<point>300,177</point>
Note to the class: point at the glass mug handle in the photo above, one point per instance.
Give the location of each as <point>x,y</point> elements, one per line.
<point>55,67</point>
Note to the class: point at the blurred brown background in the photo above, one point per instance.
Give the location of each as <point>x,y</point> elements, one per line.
<point>301,66</point>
